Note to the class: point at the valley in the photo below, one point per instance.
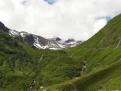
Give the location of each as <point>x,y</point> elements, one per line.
<point>93,65</point>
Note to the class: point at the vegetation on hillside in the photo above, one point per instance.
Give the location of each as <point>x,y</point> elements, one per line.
<point>91,66</point>
<point>20,65</point>
<point>102,53</point>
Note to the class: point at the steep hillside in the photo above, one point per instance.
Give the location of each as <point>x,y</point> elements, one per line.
<point>20,65</point>
<point>102,54</point>
<point>91,66</point>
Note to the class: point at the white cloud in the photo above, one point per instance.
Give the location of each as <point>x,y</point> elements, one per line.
<point>65,18</point>
<point>98,24</point>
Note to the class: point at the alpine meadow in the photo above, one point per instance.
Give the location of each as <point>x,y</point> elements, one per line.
<point>93,65</point>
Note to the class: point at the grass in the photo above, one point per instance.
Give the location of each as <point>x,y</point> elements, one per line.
<point>60,70</point>
<point>100,52</point>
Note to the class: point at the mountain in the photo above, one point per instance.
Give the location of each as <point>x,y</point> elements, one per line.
<point>40,42</point>
<point>21,63</point>
<point>102,56</point>
<point>93,65</point>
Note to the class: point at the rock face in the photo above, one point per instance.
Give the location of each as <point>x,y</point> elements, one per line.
<point>38,41</point>
<point>3,28</point>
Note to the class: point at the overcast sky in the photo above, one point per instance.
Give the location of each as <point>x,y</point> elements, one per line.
<point>78,19</point>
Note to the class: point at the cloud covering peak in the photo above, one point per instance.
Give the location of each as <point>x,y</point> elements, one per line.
<point>79,19</point>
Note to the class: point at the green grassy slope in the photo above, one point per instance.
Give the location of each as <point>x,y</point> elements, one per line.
<point>16,64</point>
<point>20,64</point>
<point>103,56</point>
<point>60,70</point>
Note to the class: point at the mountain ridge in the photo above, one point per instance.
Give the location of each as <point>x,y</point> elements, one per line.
<point>41,42</point>
<point>102,54</point>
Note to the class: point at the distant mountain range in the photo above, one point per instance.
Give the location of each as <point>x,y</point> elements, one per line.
<point>39,41</point>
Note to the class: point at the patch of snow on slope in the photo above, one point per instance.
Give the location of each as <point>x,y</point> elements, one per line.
<point>37,44</point>
<point>13,33</point>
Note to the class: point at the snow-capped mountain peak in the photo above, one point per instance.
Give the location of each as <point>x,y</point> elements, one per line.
<point>36,41</point>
